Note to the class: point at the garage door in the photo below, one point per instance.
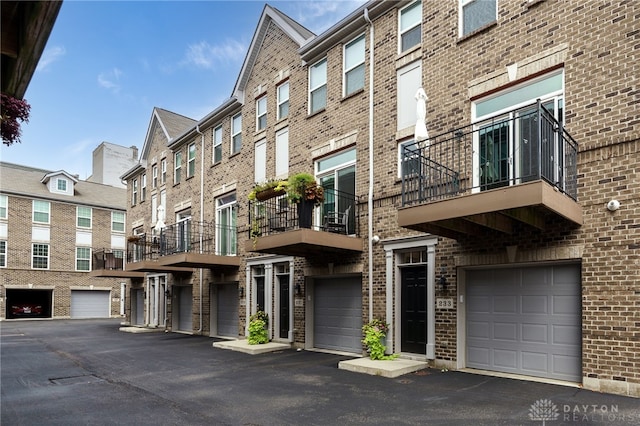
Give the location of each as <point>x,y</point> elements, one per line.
<point>525,321</point>
<point>185,304</point>
<point>338,314</point>
<point>227,313</point>
<point>90,304</point>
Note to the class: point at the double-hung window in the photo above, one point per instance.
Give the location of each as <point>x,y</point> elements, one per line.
<point>236,133</point>
<point>410,26</point>
<point>143,187</point>
<point>134,192</point>
<point>3,206</point>
<point>3,254</point>
<point>217,144</point>
<point>154,176</point>
<point>163,171</point>
<point>39,256</point>
<point>261,113</point>
<point>318,86</point>
<point>61,185</point>
<point>83,217</point>
<point>191,160</point>
<point>177,172</point>
<point>117,221</point>
<point>283,100</point>
<point>83,258</point>
<point>41,211</point>
<point>354,65</point>
<point>475,14</point>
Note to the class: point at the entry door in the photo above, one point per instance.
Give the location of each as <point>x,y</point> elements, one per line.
<point>260,299</point>
<point>414,309</point>
<point>137,305</point>
<point>284,307</point>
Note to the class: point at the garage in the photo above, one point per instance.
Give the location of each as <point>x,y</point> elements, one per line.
<point>185,308</point>
<point>337,314</point>
<point>525,321</point>
<point>90,304</point>
<point>227,309</point>
<point>23,303</point>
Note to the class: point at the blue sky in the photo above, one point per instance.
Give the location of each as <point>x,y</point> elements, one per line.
<point>107,64</point>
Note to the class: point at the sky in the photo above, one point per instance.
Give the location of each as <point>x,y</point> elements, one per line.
<point>107,64</point>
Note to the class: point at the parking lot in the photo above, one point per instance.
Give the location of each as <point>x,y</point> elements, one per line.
<point>79,372</point>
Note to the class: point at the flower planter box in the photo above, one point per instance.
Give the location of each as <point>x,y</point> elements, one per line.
<point>268,194</point>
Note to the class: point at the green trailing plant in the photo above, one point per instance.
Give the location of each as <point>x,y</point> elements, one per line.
<point>258,333</point>
<point>303,186</point>
<point>374,334</point>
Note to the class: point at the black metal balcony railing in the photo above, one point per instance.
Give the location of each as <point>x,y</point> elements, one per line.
<point>187,236</point>
<point>338,213</point>
<point>528,145</point>
<point>112,260</point>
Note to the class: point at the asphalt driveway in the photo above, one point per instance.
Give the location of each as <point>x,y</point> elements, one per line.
<point>86,372</point>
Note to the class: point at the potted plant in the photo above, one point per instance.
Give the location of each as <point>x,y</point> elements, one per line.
<point>266,190</point>
<point>303,190</point>
<point>375,333</point>
<point>258,332</point>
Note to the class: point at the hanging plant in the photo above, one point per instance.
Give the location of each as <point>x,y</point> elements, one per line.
<point>12,112</point>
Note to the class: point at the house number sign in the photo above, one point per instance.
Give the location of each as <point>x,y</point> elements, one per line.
<point>444,303</point>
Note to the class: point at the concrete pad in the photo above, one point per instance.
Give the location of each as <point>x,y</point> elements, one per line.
<point>385,368</point>
<point>244,346</point>
<point>134,329</point>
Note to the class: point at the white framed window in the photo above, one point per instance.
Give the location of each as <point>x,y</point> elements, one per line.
<point>3,254</point>
<point>260,161</point>
<point>83,217</point>
<point>177,171</point>
<point>217,144</point>
<point>191,160</point>
<point>353,66</point>
<point>337,175</point>
<point>134,192</point>
<point>154,209</point>
<point>236,133</point>
<point>154,176</point>
<point>318,86</point>
<point>163,171</point>
<point>83,258</point>
<point>410,26</point>
<point>409,81</point>
<point>261,113</point>
<point>282,152</point>
<point>226,233</point>
<point>61,185</point>
<point>41,211</point>
<point>39,256</point>
<point>4,206</point>
<point>411,163</point>
<point>475,14</point>
<point>143,187</point>
<point>117,221</point>
<point>283,100</point>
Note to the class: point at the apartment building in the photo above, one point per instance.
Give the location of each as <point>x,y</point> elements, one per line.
<point>501,238</point>
<point>54,228</point>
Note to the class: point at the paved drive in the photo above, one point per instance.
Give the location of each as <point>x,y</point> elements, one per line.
<point>86,372</point>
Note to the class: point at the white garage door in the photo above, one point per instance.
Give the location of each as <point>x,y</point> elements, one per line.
<point>90,304</point>
<point>227,310</point>
<point>525,321</point>
<point>338,314</point>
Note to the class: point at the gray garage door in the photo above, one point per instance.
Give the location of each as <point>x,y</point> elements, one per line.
<point>227,310</point>
<point>525,321</point>
<point>90,304</point>
<point>338,314</point>
<point>185,304</point>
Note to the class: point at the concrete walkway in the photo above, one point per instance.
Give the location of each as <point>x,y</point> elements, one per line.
<point>385,368</point>
<point>244,346</point>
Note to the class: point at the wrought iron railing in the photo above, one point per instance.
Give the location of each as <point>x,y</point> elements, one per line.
<point>338,213</point>
<point>109,259</point>
<point>529,144</point>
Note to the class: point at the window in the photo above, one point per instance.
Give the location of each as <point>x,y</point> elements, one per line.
<point>411,159</point>
<point>282,152</point>
<point>177,173</point>
<point>117,221</point>
<point>261,113</point>
<point>283,100</point>
<point>4,204</point>
<point>337,175</point>
<point>3,254</point>
<point>134,192</point>
<point>191,160</point>
<point>83,217</point>
<point>83,259</point>
<point>260,161</point>
<point>410,26</point>
<point>154,176</point>
<point>40,256</point>
<point>62,185</point>
<point>354,66</point>
<point>226,215</point>
<point>163,171</point>
<point>409,81</point>
<point>236,134</point>
<point>143,187</point>
<point>318,86</point>
<point>154,210</point>
<point>475,14</point>
<point>41,211</point>
<point>217,144</point>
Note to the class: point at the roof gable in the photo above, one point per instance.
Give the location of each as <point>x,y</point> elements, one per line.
<point>171,125</point>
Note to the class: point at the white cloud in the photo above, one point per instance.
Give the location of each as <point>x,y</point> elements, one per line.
<point>50,56</point>
<point>204,55</point>
<point>318,16</point>
<point>110,79</point>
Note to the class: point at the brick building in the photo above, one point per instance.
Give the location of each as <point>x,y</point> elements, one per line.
<point>54,228</point>
<point>503,241</point>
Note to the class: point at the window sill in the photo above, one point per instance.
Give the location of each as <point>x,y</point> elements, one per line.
<point>352,95</point>
<point>477,32</point>
<point>234,154</point>
<point>318,112</point>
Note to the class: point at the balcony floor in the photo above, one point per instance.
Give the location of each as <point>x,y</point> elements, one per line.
<point>112,273</point>
<point>304,243</point>
<point>199,260</point>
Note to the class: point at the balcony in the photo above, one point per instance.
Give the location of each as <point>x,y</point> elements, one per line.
<point>109,263</point>
<point>492,177</point>
<point>279,227</point>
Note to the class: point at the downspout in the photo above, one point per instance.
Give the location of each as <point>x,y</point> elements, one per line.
<point>200,226</point>
<point>370,196</point>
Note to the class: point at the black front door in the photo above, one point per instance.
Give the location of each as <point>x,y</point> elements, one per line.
<point>260,306</point>
<point>414,309</point>
<point>284,308</point>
